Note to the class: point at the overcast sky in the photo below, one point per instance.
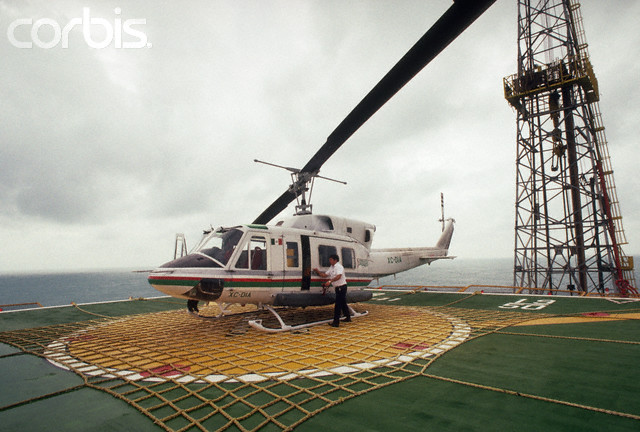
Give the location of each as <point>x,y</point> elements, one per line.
<point>106,153</point>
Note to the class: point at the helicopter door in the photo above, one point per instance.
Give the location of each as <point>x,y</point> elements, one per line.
<point>254,254</point>
<point>306,263</point>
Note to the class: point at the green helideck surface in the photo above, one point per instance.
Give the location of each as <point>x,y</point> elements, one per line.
<point>562,377</point>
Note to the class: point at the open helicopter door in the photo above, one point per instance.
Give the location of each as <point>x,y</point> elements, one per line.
<point>306,263</point>
<point>298,260</point>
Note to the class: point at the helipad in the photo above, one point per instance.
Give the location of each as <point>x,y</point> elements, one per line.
<point>149,365</point>
<point>186,348</point>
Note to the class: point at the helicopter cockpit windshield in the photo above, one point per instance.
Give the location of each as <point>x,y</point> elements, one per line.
<point>220,244</point>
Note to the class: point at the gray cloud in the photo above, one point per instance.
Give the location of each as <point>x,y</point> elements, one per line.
<point>106,153</point>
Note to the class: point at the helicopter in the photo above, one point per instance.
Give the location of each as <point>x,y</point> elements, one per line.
<point>270,265</point>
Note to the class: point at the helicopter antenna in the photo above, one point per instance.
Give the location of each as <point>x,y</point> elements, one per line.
<point>441,210</point>
<point>301,183</point>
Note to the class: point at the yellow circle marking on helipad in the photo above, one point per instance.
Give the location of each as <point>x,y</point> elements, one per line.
<point>179,345</point>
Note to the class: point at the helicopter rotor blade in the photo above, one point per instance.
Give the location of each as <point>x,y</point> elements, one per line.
<point>276,207</point>
<point>448,27</point>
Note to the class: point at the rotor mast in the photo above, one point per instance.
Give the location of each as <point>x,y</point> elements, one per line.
<point>301,184</point>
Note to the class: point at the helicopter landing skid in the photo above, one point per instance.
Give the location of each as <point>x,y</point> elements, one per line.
<point>257,324</point>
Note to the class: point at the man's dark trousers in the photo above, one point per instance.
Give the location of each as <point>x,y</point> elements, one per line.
<point>341,305</point>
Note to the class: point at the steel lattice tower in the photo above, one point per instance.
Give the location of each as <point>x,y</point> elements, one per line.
<point>568,228</point>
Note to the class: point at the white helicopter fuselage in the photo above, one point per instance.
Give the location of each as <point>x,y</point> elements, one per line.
<point>272,265</point>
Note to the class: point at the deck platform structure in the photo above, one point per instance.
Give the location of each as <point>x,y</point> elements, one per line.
<point>436,360</point>
<point>568,227</point>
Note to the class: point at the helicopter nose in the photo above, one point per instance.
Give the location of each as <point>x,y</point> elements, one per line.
<point>170,284</point>
<point>190,261</point>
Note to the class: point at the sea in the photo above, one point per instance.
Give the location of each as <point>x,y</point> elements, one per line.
<point>55,289</point>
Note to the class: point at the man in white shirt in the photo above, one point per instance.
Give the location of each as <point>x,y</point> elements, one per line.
<point>339,282</point>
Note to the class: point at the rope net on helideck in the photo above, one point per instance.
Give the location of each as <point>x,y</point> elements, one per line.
<point>188,373</point>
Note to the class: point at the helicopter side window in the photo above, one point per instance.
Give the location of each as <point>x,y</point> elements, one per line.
<point>292,254</point>
<point>324,252</point>
<point>348,258</point>
<point>254,255</point>
<point>243,259</point>
<point>258,254</point>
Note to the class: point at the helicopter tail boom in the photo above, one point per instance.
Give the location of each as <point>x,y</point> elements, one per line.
<point>385,262</point>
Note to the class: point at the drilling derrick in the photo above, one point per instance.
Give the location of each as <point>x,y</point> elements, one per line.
<point>568,228</point>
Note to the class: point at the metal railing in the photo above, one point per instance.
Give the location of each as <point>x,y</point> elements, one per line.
<point>493,289</point>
